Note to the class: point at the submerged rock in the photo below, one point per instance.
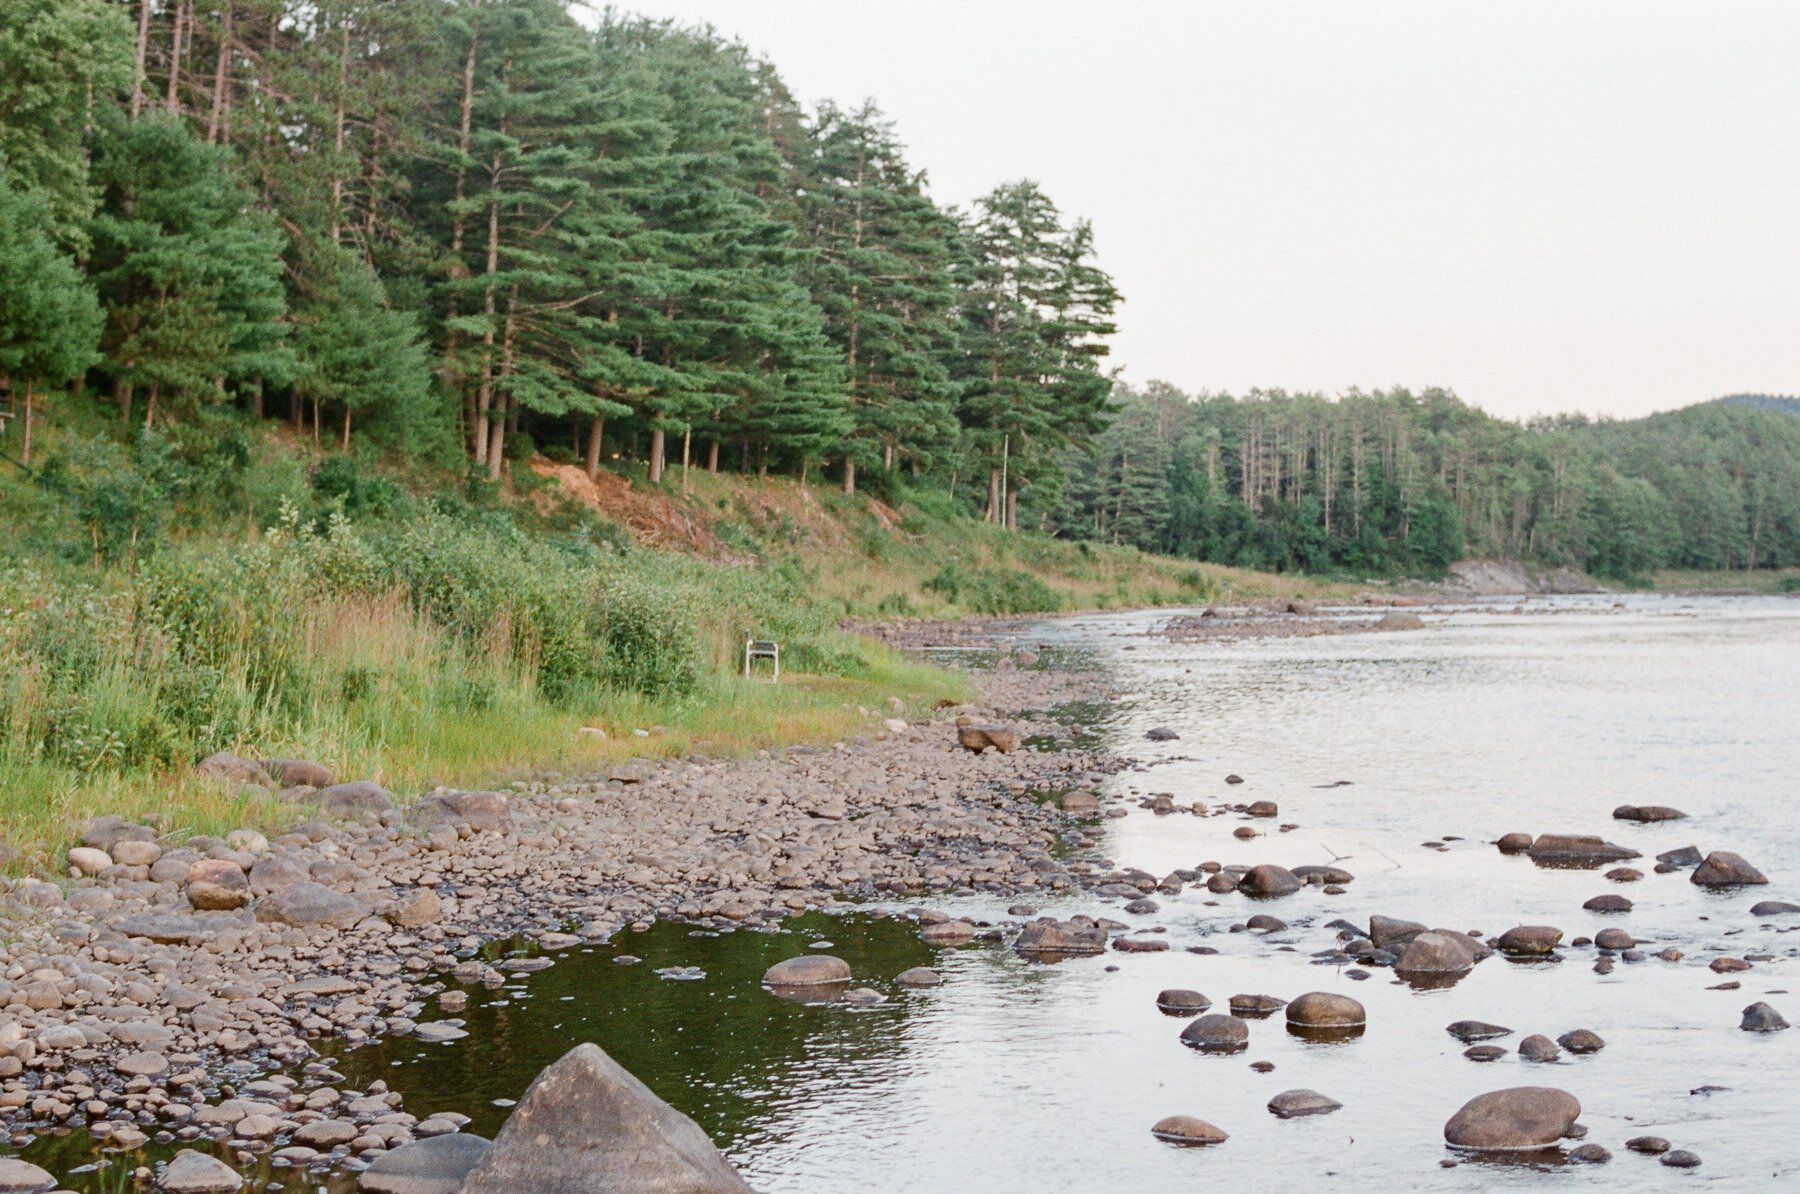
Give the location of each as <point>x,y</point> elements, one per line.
<point>1324,1009</point>
<point>1773,908</point>
<point>919,976</point>
<point>1434,952</point>
<point>1760,1017</point>
<point>1722,868</point>
<point>1292,1104</point>
<point>1581,1040</point>
<point>1181,1002</point>
<point>1538,1047</point>
<point>587,1126</point>
<point>1529,940</point>
<point>1268,881</point>
<point>436,1165</point>
<point>1647,813</point>
<point>807,970</point>
<point>1470,1031</point>
<point>1517,1118</point>
<point>1608,903</point>
<point>1186,1130</point>
<point>1576,850</point>
<point>1217,1034</point>
<point>1073,936</point>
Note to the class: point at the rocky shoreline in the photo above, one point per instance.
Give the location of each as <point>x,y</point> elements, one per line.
<point>171,991</point>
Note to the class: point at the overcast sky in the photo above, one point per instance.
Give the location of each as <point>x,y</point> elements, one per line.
<point>1542,204</point>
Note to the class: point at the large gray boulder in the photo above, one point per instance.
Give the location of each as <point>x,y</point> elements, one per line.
<point>1268,881</point>
<point>586,1126</point>
<point>478,810</point>
<point>22,1177</point>
<point>1517,1118</point>
<point>1576,851</point>
<point>1050,936</point>
<point>231,768</point>
<point>1434,952</point>
<point>304,905</point>
<point>434,1165</point>
<point>355,800</point>
<point>196,1173</point>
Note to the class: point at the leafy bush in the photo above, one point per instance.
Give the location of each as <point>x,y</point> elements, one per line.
<point>994,590</point>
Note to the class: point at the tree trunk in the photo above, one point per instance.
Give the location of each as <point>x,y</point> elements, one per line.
<point>849,474</point>
<point>25,429</point>
<point>122,394</point>
<point>496,445</point>
<point>596,430</point>
<point>993,509</point>
<point>143,46</point>
<point>485,395</point>
<point>687,443</point>
<point>150,407</point>
<point>344,443</point>
<point>657,436</point>
<point>216,120</point>
<point>175,57</point>
<point>1012,511</point>
<point>712,457</point>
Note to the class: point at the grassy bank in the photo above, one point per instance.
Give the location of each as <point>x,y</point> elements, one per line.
<point>1780,580</point>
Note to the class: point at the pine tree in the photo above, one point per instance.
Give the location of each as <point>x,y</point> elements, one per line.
<point>60,61</point>
<point>881,272</point>
<point>360,357</point>
<point>188,272</point>
<point>49,318</point>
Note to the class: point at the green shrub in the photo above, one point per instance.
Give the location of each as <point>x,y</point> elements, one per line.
<point>994,590</point>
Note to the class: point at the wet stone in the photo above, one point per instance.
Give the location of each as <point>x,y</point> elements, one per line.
<point>1177,1001</point>
<point>1217,1034</point>
<point>1518,1118</point>
<point>807,970</point>
<point>1484,1053</point>
<point>1292,1104</point>
<point>1651,1145</point>
<point>1538,1047</point>
<point>1760,1017</point>
<point>1722,868</point>
<point>1581,1041</point>
<point>1590,1154</point>
<point>1470,1031</point>
<point>1608,903</point>
<point>1187,1131</point>
<point>1681,1158</point>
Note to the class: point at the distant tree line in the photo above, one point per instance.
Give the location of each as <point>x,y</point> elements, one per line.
<point>1396,481</point>
<point>482,226</point>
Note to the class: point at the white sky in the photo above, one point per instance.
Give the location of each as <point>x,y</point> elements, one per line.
<point>1543,204</point>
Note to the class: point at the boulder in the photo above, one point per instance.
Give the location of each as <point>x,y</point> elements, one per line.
<point>1773,908</point>
<point>1292,1104</point>
<point>294,773</point>
<point>1608,903</point>
<point>272,872</point>
<point>1514,843</point>
<point>1400,621</point>
<point>1645,814</point>
<point>807,970</point>
<point>435,1165</point>
<point>586,1126</point>
<point>1518,1118</point>
<point>306,904</point>
<point>354,801</point>
<point>173,928</point>
<point>1435,952</point>
<point>1614,939</point>
<point>1162,734</point>
<point>1181,1002</point>
<point>1470,1031</point>
<point>1263,808</point>
<point>135,852</point>
<point>1080,803</point>
<point>1529,940</point>
<point>978,738</point>
<point>1682,857</point>
<point>415,909</point>
<point>232,769</point>
<point>217,885</point>
<point>1386,930</point>
<point>1538,1047</point>
<point>1760,1017</point>
<point>948,932</point>
<point>1576,851</point>
<point>1188,1131</point>
<point>190,1172</point>
<point>1581,1040</point>
<point>480,811</point>
<point>918,976</point>
<point>1268,881</point>
<point>89,861</point>
<point>1722,868</point>
<point>1324,1009</point>
<point>22,1177</point>
<point>1217,1034</point>
<point>1316,875</point>
<point>1051,936</point>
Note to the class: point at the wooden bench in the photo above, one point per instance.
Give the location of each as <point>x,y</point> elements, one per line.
<point>762,648</point>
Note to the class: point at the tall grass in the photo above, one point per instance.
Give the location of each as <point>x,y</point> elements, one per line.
<point>429,653</point>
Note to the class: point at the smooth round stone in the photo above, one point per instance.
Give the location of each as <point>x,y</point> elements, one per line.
<point>1324,1009</point>
<point>864,997</point>
<point>1681,1158</point>
<point>1608,903</point>
<point>1614,939</point>
<point>1590,1154</point>
<point>1484,1053</point>
<point>1650,1145</point>
<point>808,970</point>
<point>919,976</point>
<point>1256,1007</point>
<point>1760,1017</point>
<point>1624,874</point>
<point>193,1172</point>
<point>23,1176</point>
<point>1217,1034</point>
<point>1269,881</point>
<point>1292,1104</point>
<point>1773,908</point>
<point>1529,940</point>
<point>1187,1131</point>
<point>436,1165</point>
<point>1581,1041</point>
<point>1517,1118</point>
<point>1177,1001</point>
<point>142,1065</point>
<point>1265,924</point>
<point>1538,1047</point>
<point>949,932</point>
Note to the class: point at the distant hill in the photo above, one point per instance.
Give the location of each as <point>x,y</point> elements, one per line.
<point>1762,401</point>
